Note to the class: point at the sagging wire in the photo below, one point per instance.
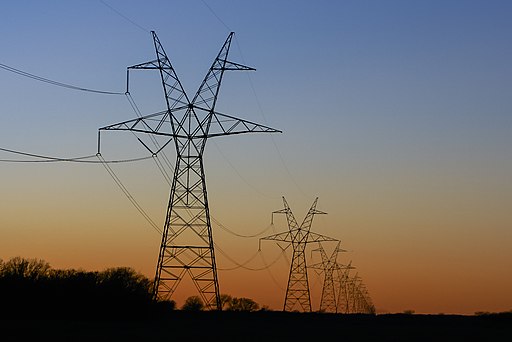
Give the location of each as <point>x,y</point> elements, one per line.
<point>262,113</point>
<point>243,265</point>
<point>223,227</point>
<point>216,16</point>
<point>238,173</point>
<point>129,195</point>
<point>55,83</point>
<point>274,280</point>
<point>125,17</point>
<point>49,159</point>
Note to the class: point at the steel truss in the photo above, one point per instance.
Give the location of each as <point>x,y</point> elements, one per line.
<point>297,292</point>
<point>342,279</point>
<point>187,247</point>
<point>328,300</point>
<point>354,297</point>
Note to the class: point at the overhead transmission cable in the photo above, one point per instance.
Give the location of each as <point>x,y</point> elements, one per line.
<point>287,170</point>
<point>262,113</point>
<point>242,265</point>
<point>125,17</point>
<point>238,173</point>
<point>55,83</point>
<point>267,268</point>
<point>153,139</point>
<point>216,16</point>
<point>129,195</point>
<point>240,235</point>
<point>49,159</point>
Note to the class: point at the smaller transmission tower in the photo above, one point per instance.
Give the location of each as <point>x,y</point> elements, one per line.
<point>328,265</point>
<point>297,292</point>
<point>343,293</point>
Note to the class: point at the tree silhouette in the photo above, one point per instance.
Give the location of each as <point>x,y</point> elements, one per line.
<point>29,269</point>
<point>193,303</point>
<point>225,301</point>
<point>243,304</point>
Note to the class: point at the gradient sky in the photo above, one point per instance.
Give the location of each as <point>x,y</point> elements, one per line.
<point>396,114</point>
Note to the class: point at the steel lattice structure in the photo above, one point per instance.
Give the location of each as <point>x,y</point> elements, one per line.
<point>187,246</point>
<point>297,291</point>
<point>343,299</point>
<point>354,295</point>
<point>328,299</point>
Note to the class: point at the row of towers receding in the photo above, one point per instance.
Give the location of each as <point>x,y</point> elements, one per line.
<point>187,247</point>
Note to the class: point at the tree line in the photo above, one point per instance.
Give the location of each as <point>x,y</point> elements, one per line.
<point>31,288</point>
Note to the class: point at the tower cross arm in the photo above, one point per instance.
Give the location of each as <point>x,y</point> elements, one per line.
<point>318,266</point>
<point>156,123</point>
<point>233,67</point>
<point>147,65</point>
<point>314,237</point>
<point>222,124</point>
<point>285,237</point>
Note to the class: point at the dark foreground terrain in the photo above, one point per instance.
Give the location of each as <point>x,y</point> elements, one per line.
<point>263,326</point>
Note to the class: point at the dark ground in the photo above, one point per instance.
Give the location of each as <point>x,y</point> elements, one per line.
<point>263,326</point>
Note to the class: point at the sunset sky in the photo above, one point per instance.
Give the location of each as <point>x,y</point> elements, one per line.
<point>396,114</point>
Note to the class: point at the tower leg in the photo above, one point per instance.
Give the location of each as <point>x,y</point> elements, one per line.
<point>187,247</point>
<point>297,292</point>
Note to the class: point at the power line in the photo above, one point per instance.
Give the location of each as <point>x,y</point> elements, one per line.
<point>262,113</point>
<point>216,16</point>
<point>274,280</point>
<point>238,173</point>
<point>154,140</point>
<point>242,265</point>
<point>125,17</point>
<point>55,83</point>
<point>48,159</point>
<point>237,234</point>
<point>128,194</point>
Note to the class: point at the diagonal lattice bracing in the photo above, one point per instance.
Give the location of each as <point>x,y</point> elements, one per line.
<point>297,292</point>
<point>342,295</point>
<point>328,299</point>
<point>187,247</point>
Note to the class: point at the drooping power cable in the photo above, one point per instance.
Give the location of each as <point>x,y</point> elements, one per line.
<point>55,83</point>
<point>49,159</point>
<point>129,195</point>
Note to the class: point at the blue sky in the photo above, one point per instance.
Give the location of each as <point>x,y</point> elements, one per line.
<point>397,114</point>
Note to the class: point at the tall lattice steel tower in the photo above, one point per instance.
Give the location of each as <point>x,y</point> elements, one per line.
<point>328,300</point>
<point>297,292</point>
<point>187,243</point>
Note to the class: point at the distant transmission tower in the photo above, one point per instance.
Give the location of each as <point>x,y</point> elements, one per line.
<point>328,302</point>
<point>343,299</point>
<point>297,291</point>
<point>187,243</point>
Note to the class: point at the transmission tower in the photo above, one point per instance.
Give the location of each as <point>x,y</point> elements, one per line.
<point>328,265</point>
<point>187,246</point>
<point>343,299</point>
<point>297,291</point>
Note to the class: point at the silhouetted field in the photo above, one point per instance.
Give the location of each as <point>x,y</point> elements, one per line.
<point>263,326</point>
